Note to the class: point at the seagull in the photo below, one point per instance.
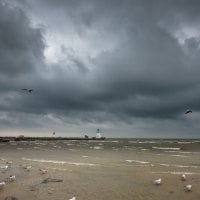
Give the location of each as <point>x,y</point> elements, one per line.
<point>188,111</point>
<point>188,187</point>
<point>28,90</point>
<point>183,177</point>
<point>4,167</point>
<point>2,184</point>
<point>158,181</point>
<point>43,171</point>
<point>12,178</point>
<point>73,198</point>
<point>28,168</point>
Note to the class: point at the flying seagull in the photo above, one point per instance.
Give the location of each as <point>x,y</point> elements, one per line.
<point>28,90</point>
<point>188,111</point>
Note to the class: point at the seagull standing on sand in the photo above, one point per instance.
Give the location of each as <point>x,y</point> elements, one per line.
<point>4,167</point>
<point>158,181</point>
<point>28,168</point>
<point>183,177</point>
<point>188,188</point>
<point>2,185</point>
<point>73,198</point>
<point>12,178</point>
<point>43,171</point>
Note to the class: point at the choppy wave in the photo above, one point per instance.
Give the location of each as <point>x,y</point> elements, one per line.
<point>167,148</point>
<point>188,142</point>
<point>59,162</point>
<point>177,155</point>
<point>176,165</point>
<point>143,142</point>
<point>96,147</point>
<point>175,173</point>
<point>137,161</point>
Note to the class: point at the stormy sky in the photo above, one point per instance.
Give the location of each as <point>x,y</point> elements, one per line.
<point>128,67</point>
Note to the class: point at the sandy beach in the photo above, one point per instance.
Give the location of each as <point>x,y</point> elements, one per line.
<point>99,170</point>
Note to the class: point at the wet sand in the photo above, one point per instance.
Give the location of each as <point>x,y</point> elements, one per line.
<point>89,173</point>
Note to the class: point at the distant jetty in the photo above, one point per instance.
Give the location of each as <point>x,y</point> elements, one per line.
<point>24,138</point>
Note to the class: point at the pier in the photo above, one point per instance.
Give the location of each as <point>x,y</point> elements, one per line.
<point>24,138</point>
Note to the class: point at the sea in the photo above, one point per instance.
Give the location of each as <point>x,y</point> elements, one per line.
<point>111,169</point>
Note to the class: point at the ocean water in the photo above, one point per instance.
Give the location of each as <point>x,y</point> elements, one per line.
<point>113,169</point>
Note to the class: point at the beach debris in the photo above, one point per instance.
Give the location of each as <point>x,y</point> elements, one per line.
<point>11,178</point>
<point>158,181</point>
<point>183,177</point>
<point>188,111</point>
<point>43,171</point>
<point>2,185</point>
<point>11,198</point>
<point>188,188</point>
<point>73,198</point>
<point>53,180</point>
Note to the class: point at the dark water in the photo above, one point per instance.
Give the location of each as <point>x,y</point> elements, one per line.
<point>109,169</point>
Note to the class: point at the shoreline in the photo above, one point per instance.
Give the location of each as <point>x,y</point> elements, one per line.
<point>8,139</point>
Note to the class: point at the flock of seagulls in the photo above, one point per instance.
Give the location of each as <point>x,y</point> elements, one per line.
<point>12,178</point>
<point>183,178</point>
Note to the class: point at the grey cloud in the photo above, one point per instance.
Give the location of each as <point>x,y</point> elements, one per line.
<point>147,75</point>
<point>21,45</point>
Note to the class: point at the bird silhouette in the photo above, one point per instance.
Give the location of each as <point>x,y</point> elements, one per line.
<point>188,111</point>
<point>28,90</point>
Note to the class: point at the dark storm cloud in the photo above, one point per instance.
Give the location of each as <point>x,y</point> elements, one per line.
<point>21,46</point>
<point>146,73</point>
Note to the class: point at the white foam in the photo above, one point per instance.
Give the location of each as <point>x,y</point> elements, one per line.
<point>179,166</point>
<point>97,147</point>
<point>166,148</point>
<point>60,162</point>
<point>144,149</point>
<point>182,156</point>
<point>36,147</point>
<point>175,173</point>
<point>137,161</point>
<point>189,152</point>
<point>191,142</point>
<point>148,142</point>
